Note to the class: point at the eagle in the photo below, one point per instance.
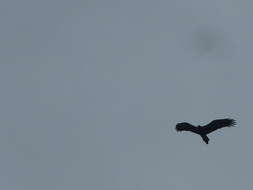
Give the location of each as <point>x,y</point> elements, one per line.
<point>206,129</point>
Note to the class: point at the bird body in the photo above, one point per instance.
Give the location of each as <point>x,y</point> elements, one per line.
<point>204,130</point>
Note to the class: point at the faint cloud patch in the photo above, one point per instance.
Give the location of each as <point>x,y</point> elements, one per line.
<point>206,41</point>
<point>209,41</point>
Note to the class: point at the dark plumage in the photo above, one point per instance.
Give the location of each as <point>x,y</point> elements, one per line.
<point>206,129</point>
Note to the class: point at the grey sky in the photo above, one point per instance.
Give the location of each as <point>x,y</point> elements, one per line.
<point>91,92</point>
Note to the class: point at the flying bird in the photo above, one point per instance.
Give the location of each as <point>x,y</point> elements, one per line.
<point>206,129</point>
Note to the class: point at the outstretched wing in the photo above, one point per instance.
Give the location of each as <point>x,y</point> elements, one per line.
<point>186,127</point>
<point>217,124</point>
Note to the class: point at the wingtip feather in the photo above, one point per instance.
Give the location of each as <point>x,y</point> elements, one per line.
<point>232,122</point>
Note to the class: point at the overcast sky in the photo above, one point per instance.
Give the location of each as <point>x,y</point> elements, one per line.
<point>91,92</point>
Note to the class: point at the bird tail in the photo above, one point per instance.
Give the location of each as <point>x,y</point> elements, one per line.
<point>205,138</point>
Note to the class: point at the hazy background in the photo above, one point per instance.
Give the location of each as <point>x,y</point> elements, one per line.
<point>91,91</point>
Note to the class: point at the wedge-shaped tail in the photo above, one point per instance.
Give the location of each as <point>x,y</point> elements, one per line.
<point>205,138</point>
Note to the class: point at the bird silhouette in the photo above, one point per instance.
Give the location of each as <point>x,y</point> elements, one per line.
<point>206,129</point>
